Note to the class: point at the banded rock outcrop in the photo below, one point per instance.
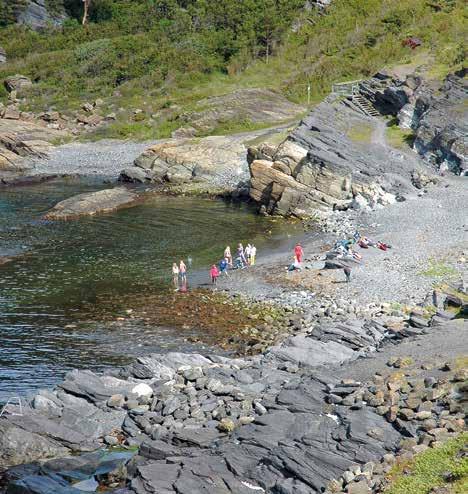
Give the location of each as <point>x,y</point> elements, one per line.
<point>320,166</point>
<point>255,106</point>
<point>21,139</point>
<point>436,112</point>
<point>212,163</point>
<point>37,14</point>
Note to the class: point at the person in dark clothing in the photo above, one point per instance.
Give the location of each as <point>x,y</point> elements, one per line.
<point>347,272</point>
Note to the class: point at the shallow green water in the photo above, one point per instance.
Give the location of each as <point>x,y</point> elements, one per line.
<point>48,294</point>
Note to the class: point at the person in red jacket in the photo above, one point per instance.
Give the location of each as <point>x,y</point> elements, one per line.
<point>214,273</point>
<point>299,252</point>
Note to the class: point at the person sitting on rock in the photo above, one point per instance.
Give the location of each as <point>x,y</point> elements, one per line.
<point>296,265</point>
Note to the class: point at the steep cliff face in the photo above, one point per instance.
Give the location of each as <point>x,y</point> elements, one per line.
<point>436,112</point>
<point>337,158</point>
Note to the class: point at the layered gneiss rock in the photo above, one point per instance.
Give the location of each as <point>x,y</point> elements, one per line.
<point>254,106</point>
<point>20,139</point>
<point>436,112</point>
<point>215,162</point>
<point>278,421</point>
<point>38,14</point>
<point>339,156</point>
<point>320,166</point>
<point>441,130</point>
<point>17,83</point>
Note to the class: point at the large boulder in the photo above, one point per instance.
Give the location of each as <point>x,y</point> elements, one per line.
<point>442,125</point>
<point>90,203</point>
<point>38,14</point>
<point>3,55</point>
<point>17,82</point>
<point>216,161</point>
<point>19,446</point>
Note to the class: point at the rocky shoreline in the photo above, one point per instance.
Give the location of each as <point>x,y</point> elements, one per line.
<point>280,421</point>
<point>328,401</point>
<point>296,418</point>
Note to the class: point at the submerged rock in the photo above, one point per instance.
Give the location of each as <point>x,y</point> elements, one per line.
<point>90,203</point>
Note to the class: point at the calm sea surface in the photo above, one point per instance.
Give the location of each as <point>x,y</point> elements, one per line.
<point>62,268</point>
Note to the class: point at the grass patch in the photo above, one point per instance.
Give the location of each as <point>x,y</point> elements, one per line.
<point>399,138</point>
<point>363,133</point>
<point>461,363</point>
<point>427,470</point>
<point>437,269</point>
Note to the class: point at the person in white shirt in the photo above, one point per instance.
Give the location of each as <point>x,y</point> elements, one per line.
<point>253,253</point>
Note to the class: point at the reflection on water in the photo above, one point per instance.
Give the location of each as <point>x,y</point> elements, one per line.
<point>63,267</point>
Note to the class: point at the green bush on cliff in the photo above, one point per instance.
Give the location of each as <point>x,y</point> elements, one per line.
<point>184,50</point>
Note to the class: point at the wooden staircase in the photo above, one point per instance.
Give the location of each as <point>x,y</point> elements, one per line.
<point>365,106</point>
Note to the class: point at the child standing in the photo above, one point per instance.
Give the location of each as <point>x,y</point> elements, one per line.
<point>175,274</point>
<point>253,253</point>
<point>214,273</point>
<point>182,271</point>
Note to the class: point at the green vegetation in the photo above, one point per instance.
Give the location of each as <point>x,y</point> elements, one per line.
<point>399,138</point>
<point>438,269</point>
<point>363,133</point>
<point>427,470</point>
<point>163,56</point>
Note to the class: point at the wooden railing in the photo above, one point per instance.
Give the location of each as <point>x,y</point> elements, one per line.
<point>346,88</point>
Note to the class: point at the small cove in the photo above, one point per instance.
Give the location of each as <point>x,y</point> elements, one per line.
<point>50,292</point>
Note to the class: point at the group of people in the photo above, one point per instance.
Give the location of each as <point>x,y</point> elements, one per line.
<point>179,274</point>
<point>343,250</point>
<point>244,257</point>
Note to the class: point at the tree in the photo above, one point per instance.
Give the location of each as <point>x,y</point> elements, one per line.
<point>86,4</point>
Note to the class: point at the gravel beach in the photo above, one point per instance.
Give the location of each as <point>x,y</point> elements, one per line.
<point>104,158</point>
<point>427,234</point>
